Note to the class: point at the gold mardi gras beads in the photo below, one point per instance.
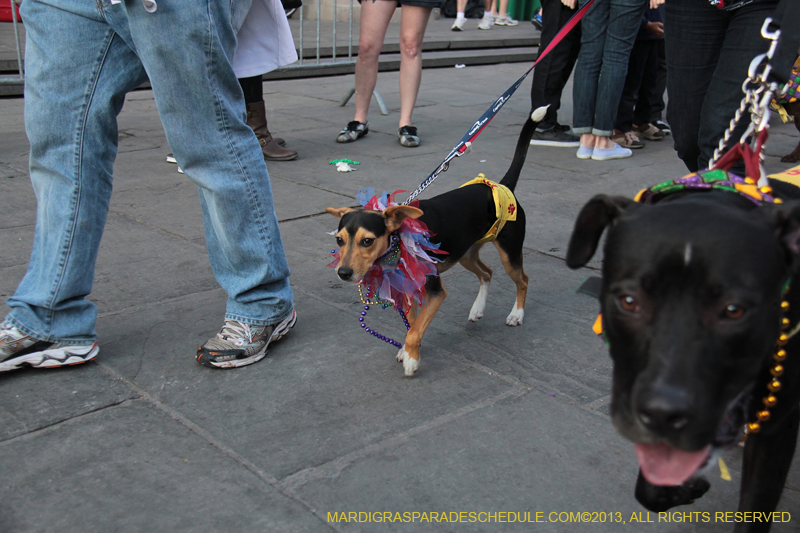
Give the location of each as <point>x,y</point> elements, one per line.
<point>777,370</point>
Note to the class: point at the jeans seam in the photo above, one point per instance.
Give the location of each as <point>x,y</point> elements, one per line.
<point>254,201</point>
<point>76,200</point>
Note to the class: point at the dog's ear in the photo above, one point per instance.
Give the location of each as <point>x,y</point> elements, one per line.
<point>338,213</point>
<point>785,219</point>
<point>396,214</point>
<point>592,220</point>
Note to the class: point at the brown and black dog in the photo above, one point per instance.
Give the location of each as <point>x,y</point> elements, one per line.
<point>457,220</point>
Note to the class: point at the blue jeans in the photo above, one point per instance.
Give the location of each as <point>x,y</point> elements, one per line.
<point>82,58</point>
<point>608,31</point>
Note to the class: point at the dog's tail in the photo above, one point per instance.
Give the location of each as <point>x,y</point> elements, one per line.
<point>512,175</point>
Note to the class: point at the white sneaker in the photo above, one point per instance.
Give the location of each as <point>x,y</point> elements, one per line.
<point>458,25</point>
<point>486,22</point>
<point>505,21</point>
<point>18,350</point>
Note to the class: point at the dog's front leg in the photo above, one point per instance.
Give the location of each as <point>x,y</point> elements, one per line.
<point>767,457</point>
<point>409,353</point>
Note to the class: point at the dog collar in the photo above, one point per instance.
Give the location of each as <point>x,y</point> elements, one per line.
<point>709,180</point>
<point>391,258</point>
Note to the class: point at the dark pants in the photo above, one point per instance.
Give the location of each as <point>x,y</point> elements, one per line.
<point>639,92</point>
<point>708,53</point>
<point>551,75</point>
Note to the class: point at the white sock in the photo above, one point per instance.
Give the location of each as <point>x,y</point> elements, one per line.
<point>487,14</point>
<point>460,15</point>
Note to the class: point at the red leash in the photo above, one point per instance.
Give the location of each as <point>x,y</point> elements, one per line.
<point>463,145</point>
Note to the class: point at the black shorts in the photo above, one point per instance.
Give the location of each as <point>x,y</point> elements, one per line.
<point>421,3</point>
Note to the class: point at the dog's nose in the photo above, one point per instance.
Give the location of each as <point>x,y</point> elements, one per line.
<point>345,273</point>
<point>664,410</point>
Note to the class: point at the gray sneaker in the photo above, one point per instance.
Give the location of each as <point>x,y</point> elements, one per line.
<point>353,131</point>
<point>408,136</point>
<point>555,137</point>
<point>240,344</point>
<point>18,350</point>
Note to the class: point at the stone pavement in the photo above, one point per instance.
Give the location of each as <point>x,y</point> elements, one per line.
<point>498,419</point>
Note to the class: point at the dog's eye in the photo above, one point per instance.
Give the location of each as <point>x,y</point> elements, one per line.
<point>733,312</point>
<point>339,241</point>
<point>628,303</point>
<point>366,243</point>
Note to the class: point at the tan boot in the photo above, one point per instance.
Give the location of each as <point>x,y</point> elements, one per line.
<point>257,120</point>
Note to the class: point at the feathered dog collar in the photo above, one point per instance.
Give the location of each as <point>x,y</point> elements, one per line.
<point>399,275</point>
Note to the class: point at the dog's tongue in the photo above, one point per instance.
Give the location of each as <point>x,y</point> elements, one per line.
<point>667,466</point>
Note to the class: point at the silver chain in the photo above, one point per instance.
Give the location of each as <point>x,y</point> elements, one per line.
<point>758,94</point>
<point>442,168</point>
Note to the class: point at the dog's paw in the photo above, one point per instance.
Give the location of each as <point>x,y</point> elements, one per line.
<point>476,313</point>
<point>791,158</point>
<point>515,317</point>
<point>410,366</point>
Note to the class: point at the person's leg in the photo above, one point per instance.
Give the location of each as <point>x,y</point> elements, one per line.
<point>696,35</point>
<point>202,109</point>
<point>413,22</point>
<point>743,42</point>
<point>630,89</point>
<point>659,105</point>
<point>648,96</point>
<point>587,70</point>
<point>375,18</point>
<point>78,71</point>
<point>461,7</point>
<point>623,24</point>
<point>272,147</point>
<point>488,20</point>
<point>551,74</point>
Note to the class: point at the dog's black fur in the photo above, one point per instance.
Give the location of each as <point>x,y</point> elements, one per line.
<point>457,219</point>
<point>691,298</point>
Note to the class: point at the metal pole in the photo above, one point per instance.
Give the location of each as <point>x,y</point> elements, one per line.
<point>319,16</point>
<point>16,36</point>
<point>333,55</point>
<point>350,39</point>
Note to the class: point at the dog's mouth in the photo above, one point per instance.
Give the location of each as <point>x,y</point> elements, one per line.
<point>665,465</point>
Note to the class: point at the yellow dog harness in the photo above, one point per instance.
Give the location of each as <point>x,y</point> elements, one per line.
<point>505,206</point>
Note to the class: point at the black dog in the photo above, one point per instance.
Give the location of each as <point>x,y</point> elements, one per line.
<point>692,306</point>
<point>457,220</point>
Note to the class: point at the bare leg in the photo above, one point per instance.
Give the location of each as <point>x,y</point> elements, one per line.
<point>588,140</point>
<point>374,21</point>
<point>413,22</point>
<point>602,142</point>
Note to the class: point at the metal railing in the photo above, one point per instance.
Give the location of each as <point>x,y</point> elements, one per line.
<point>317,61</point>
<point>20,78</point>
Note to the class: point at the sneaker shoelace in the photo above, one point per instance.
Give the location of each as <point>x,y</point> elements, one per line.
<point>238,332</point>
